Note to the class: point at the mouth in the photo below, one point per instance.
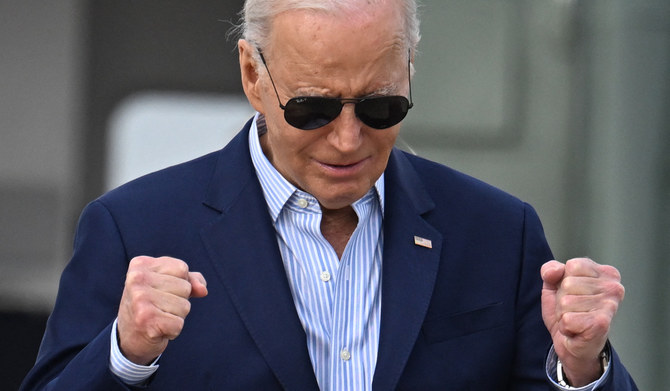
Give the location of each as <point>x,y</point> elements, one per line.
<point>343,169</point>
<point>338,166</point>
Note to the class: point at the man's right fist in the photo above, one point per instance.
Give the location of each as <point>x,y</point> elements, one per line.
<point>154,304</point>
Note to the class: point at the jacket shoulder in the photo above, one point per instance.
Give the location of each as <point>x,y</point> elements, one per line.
<point>178,181</point>
<point>444,183</point>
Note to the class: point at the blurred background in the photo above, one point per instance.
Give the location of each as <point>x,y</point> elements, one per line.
<point>564,103</point>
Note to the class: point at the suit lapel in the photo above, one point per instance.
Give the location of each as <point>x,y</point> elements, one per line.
<point>409,269</point>
<point>243,248</point>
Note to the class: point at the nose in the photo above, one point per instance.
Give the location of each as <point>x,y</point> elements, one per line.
<point>346,135</point>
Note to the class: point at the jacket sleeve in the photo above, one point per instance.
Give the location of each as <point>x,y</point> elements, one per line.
<point>619,378</point>
<point>74,354</point>
<point>533,339</point>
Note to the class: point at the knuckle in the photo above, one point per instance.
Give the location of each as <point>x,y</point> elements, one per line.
<point>135,262</point>
<point>144,318</point>
<point>568,284</point>
<point>181,308</point>
<point>615,289</point>
<point>179,324</point>
<point>611,272</point>
<point>621,292</point>
<point>174,327</point>
<point>184,289</point>
<point>565,302</point>
<point>601,321</point>
<point>139,298</point>
<point>154,331</point>
<point>571,265</point>
<point>611,307</point>
<point>567,318</point>
<point>140,261</point>
<point>186,307</point>
<point>576,266</point>
<point>181,267</point>
<point>136,277</point>
<point>567,324</point>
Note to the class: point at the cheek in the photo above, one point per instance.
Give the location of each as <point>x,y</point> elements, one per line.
<point>293,144</point>
<point>384,142</point>
<point>288,149</point>
<point>384,147</point>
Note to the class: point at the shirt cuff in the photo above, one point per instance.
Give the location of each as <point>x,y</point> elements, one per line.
<point>126,370</point>
<point>551,364</point>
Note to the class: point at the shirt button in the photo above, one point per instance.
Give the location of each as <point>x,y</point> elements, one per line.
<point>302,202</point>
<point>345,355</point>
<point>325,276</point>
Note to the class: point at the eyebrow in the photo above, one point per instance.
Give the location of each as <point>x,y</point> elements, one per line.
<point>388,89</point>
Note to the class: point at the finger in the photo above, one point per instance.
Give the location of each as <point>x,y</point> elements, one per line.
<point>605,287</point>
<point>145,301</point>
<point>173,326</point>
<point>587,304</point>
<point>138,279</point>
<point>173,285</point>
<point>165,326</point>
<point>588,326</point>
<point>162,265</point>
<point>610,272</point>
<point>552,272</point>
<point>571,285</point>
<point>198,285</point>
<point>584,267</point>
<point>173,267</point>
<point>171,304</point>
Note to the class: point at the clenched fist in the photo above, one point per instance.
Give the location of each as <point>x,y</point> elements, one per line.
<point>579,301</point>
<point>154,304</point>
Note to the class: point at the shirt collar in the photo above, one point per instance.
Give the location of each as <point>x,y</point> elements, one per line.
<point>276,189</point>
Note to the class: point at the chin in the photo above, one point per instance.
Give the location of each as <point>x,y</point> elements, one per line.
<point>339,202</point>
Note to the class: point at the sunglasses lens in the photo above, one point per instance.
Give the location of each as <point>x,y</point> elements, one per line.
<point>309,113</point>
<point>382,112</point>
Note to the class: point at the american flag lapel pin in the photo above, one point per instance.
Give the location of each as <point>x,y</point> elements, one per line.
<point>423,242</point>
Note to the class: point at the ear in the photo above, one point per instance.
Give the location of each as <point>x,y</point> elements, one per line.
<point>250,79</point>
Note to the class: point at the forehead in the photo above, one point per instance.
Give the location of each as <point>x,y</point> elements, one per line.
<point>353,49</point>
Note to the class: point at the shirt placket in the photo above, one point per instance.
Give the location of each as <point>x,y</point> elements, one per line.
<point>350,299</point>
<point>319,265</point>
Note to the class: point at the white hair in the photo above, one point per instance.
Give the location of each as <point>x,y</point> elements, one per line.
<point>257,15</point>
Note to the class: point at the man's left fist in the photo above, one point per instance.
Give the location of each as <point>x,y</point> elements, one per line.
<point>579,301</point>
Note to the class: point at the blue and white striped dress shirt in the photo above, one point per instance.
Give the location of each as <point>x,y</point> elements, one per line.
<point>338,300</point>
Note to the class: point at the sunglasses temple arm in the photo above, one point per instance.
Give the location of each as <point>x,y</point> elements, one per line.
<point>260,53</point>
<point>409,76</point>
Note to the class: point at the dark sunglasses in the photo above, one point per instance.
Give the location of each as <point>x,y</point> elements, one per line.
<point>312,112</point>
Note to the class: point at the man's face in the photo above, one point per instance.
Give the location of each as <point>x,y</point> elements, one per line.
<point>347,56</point>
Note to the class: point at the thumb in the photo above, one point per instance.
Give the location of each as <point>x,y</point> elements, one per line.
<point>552,273</point>
<point>198,284</point>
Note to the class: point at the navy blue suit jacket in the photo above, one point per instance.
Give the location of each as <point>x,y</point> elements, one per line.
<point>462,315</point>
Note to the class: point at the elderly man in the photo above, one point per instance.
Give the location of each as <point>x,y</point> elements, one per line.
<point>333,261</point>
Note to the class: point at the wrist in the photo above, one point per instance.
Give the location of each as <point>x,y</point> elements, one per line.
<point>126,370</point>
<point>587,373</point>
<point>128,345</point>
